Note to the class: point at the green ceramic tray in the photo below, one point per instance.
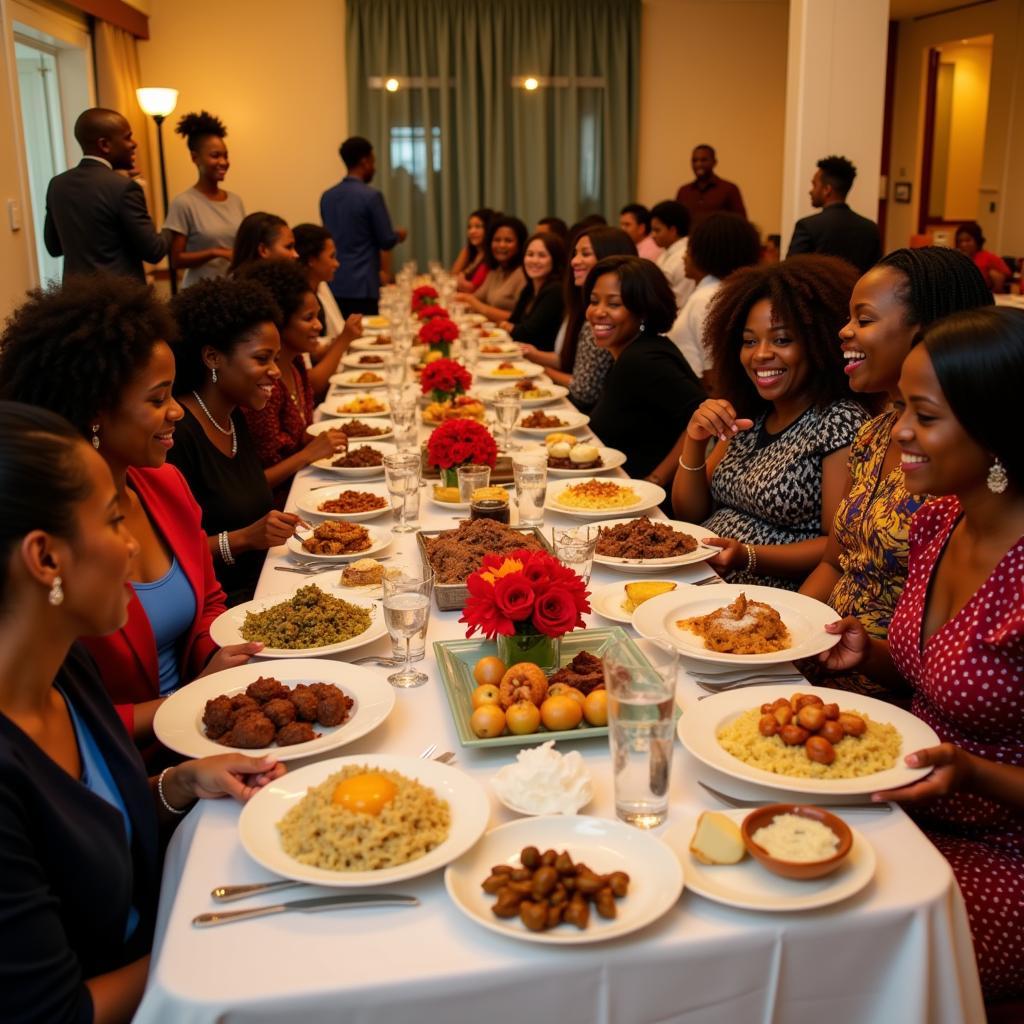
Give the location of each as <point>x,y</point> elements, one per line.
<point>456,659</point>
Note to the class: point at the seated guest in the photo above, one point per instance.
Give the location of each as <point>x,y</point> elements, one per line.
<point>225,352</point>
<point>771,251</point>
<point>318,257</point>
<point>204,219</point>
<point>553,226</point>
<point>650,392</point>
<point>80,858</point>
<point>770,486</point>
<point>95,351</point>
<point>670,224</point>
<point>470,268</point>
<point>635,220</point>
<point>503,255</point>
<point>279,428</point>
<point>541,306</point>
<point>971,242</point>
<point>262,236</point>
<point>708,193</point>
<point>719,245</point>
<point>957,634</point>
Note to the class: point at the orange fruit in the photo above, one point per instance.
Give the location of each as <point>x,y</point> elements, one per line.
<point>561,712</point>
<point>565,690</point>
<point>488,720</point>
<point>488,671</point>
<point>522,718</point>
<point>595,707</point>
<point>487,693</point>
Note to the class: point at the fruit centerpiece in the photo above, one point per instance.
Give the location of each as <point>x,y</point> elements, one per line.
<point>458,443</point>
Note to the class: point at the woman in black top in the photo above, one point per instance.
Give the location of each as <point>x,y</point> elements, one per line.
<point>538,313</point>
<point>225,359</point>
<point>650,392</point>
<point>79,842</point>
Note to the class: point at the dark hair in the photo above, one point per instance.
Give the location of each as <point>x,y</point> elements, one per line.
<point>74,348</point>
<point>640,212</point>
<point>285,282</point>
<point>518,228</point>
<point>42,477</point>
<point>724,242</point>
<point>592,220</point>
<point>555,226</point>
<point>354,149</point>
<point>810,295</point>
<point>710,149</point>
<point>219,312</point>
<point>605,241</point>
<point>838,172</point>
<point>978,358</point>
<point>310,240</point>
<point>486,215</point>
<point>643,286</point>
<point>672,215</point>
<point>555,247</point>
<point>195,127</point>
<point>94,124</point>
<point>938,281</point>
<point>972,228</point>
<point>255,230</point>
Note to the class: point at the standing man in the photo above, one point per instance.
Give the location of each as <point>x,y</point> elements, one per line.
<point>96,218</point>
<point>708,193</point>
<point>635,220</point>
<point>837,230</point>
<point>358,221</point>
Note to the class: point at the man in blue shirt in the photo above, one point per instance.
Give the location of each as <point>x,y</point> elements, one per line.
<point>358,221</point>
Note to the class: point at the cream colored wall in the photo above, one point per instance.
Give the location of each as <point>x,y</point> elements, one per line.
<point>973,65</point>
<point>714,71</point>
<point>275,74</point>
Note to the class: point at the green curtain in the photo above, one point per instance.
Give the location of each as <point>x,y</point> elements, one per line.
<point>458,134</point>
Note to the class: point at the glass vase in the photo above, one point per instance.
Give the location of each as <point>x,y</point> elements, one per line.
<point>450,477</point>
<point>538,648</point>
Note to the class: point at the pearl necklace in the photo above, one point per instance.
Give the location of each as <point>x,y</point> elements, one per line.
<point>227,433</point>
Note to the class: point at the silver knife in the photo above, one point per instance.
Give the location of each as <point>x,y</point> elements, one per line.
<point>735,801</point>
<point>311,906</point>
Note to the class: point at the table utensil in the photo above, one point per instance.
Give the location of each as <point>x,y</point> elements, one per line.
<point>311,906</point>
<point>747,683</point>
<point>853,805</point>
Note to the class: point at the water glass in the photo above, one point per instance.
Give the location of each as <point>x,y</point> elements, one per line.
<point>574,547</point>
<point>530,472</point>
<point>470,478</point>
<point>641,727</point>
<point>395,372</point>
<point>406,613</point>
<point>507,407</point>
<point>402,476</point>
<point>470,344</point>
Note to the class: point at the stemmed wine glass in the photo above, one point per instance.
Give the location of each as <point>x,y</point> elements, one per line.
<point>406,608</point>
<point>507,407</point>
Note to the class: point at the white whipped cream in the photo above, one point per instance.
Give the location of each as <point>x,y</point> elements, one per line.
<point>543,781</point>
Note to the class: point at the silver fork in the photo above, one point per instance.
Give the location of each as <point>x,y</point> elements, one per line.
<point>741,684</point>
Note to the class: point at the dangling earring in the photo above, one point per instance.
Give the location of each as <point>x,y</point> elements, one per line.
<point>997,480</point>
<point>213,375</point>
<point>96,436</point>
<point>643,327</point>
<point>56,595</point>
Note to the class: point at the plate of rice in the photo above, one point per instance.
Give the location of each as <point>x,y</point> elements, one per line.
<point>364,820</point>
<point>310,622</point>
<point>597,497</point>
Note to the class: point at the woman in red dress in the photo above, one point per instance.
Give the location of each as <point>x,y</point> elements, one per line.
<point>957,634</point>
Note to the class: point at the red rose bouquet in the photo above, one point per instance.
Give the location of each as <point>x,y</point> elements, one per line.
<point>425,295</point>
<point>432,312</point>
<point>457,442</point>
<point>438,331</point>
<point>524,593</point>
<point>443,379</point>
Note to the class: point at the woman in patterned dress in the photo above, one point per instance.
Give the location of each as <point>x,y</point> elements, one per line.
<point>770,486</point>
<point>957,634</point>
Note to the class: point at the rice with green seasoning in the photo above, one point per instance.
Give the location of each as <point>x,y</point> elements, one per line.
<point>309,618</point>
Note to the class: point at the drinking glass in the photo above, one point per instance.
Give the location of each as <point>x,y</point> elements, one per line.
<point>402,475</point>
<point>395,371</point>
<point>530,472</point>
<point>507,408</point>
<point>470,344</point>
<point>470,478</point>
<point>641,721</point>
<point>574,548</point>
<point>406,611</point>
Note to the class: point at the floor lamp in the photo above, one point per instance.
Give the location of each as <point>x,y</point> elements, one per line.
<point>158,104</point>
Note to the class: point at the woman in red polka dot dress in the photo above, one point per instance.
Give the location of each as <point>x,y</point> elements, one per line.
<point>957,634</point>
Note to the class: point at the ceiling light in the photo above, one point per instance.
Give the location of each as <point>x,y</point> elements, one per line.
<point>391,85</point>
<point>530,84</point>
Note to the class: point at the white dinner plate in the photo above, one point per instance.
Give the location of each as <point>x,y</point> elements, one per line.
<point>655,565</point>
<point>608,600</point>
<point>611,458</point>
<point>804,617</point>
<point>332,424</point>
<point>501,340</point>
<point>379,540</point>
<point>698,730</point>
<point>357,472</point>
<point>370,344</point>
<point>655,875</point>
<point>227,627</point>
<point>489,372</point>
<point>350,379</point>
<point>311,501</point>
<point>648,496</point>
<point>571,420</point>
<point>555,394</point>
<point>179,719</point>
<point>376,323</point>
<point>751,886</point>
<point>467,800</point>
<point>339,405</point>
<point>351,359</point>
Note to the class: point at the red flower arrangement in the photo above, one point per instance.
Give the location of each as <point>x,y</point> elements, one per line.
<point>456,442</point>
<point>425,295</point>
<point>432,312</point>
<point>438,331</point>
<point>525,592</point>
<point>444,378</point>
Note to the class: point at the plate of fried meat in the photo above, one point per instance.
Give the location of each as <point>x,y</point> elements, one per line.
<point>645,545</point>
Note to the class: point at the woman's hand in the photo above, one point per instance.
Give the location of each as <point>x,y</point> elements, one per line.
<point>353,328</point>
<point>953,770</point>
<point>326,444</point>
<point>273,529</point>
<point>507,326</point>
<point>716,418</point>
<point>234,775</point>
<point>231,656</point>
<point>734,553</point>
<point>852,648</point>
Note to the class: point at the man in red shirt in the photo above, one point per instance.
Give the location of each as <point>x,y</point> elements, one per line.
<point>708,193</point>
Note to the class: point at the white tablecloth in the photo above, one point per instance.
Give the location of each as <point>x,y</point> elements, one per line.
<point>900,951</point>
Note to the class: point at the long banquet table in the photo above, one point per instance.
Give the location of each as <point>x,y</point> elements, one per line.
<point>900,950</point>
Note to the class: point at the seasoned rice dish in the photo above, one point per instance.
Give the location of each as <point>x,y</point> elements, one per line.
<point>321,832</point>
<point>309,618</point>
<point>742,627</point>
<point>597,494</point>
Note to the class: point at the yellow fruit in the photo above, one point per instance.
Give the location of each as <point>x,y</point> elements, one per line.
<point>432,356</point>
<point>522,718</point>
<point>561,712</point>
<point>488,671</point>
<point>488,720</point>
<point>485,694</point>
<point>595,707</point>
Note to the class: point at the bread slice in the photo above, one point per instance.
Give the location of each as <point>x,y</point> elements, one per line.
<point>717,840</point>
<point>637,593</point>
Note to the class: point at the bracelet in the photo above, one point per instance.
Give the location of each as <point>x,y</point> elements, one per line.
<point>691,469</point>
<point>160,792</point>
<point>225,548</point>
<point>751,558</point>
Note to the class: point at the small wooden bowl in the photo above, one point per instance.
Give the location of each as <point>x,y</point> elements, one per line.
<point>796,869</point>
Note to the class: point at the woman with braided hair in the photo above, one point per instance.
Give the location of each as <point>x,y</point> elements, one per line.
<point>204,219</point>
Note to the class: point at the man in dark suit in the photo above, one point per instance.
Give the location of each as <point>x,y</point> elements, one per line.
<point>96,218</point>
<point>837,230</point>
